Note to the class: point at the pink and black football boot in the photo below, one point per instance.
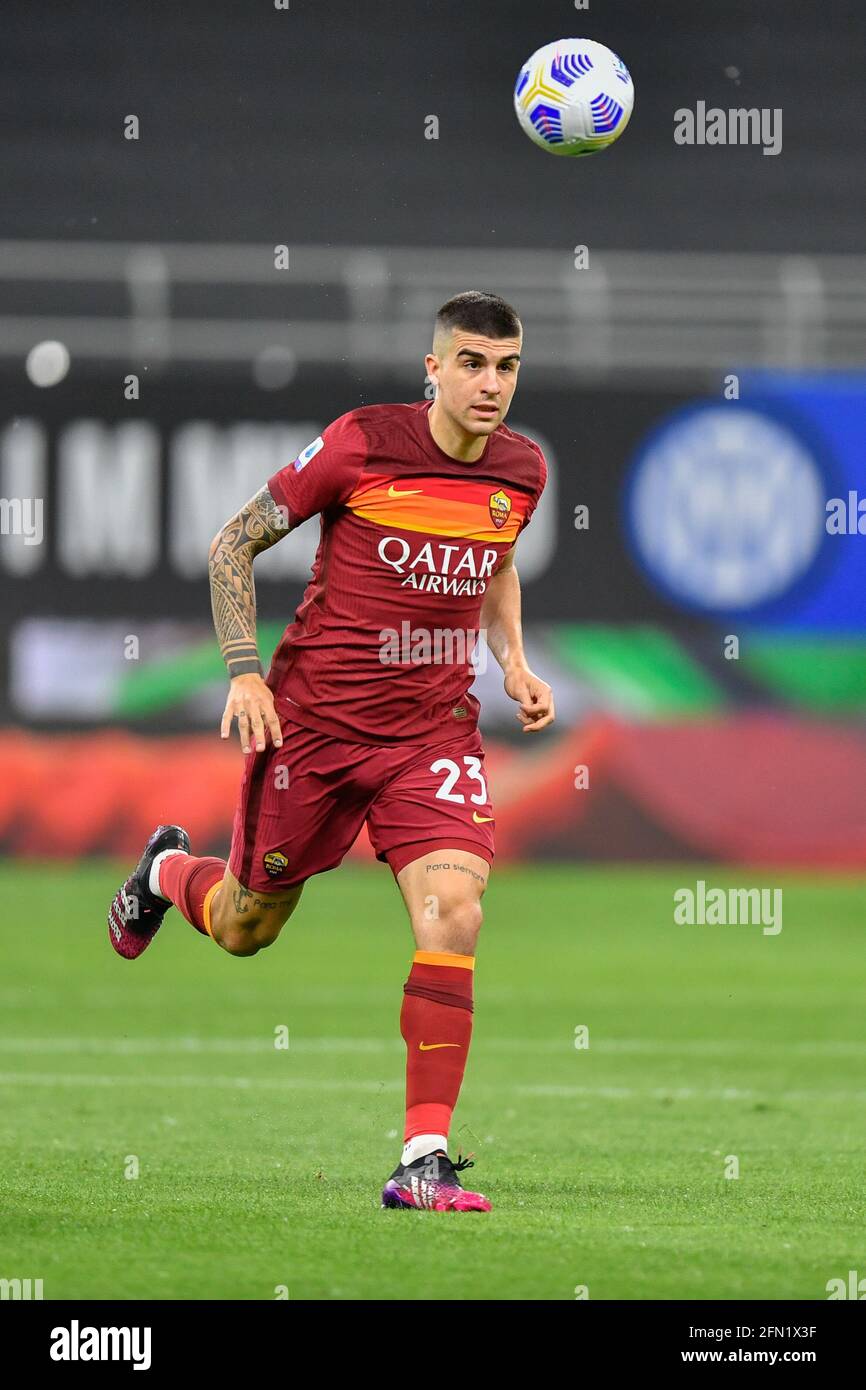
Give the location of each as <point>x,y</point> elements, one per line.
<point>431,1183</point>
<point>135,914</point>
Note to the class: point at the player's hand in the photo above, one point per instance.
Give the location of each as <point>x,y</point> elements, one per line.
<point>534,697</point>
<point>252,704</point>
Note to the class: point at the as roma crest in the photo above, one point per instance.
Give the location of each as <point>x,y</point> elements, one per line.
<point>275,863</point>
<point>500,509</point>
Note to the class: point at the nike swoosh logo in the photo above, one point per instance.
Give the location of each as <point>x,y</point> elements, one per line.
<point>479,820</point>
<point>412,492</point>
<point>431,1047</point>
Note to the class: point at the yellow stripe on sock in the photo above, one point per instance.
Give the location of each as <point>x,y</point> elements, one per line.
<point>444,958</point>
<point>205,911</point>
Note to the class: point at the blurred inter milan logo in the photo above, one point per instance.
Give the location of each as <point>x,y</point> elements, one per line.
<point>725,508</point>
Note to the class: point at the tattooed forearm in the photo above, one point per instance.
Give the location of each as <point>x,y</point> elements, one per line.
<point>258,525</point>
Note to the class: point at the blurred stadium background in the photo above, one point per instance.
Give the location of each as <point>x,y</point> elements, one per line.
<point>154,258</point>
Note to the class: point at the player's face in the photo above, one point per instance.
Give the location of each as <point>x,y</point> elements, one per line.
<point>475,379</point>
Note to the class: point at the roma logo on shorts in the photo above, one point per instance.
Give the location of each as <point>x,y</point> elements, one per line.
<point>500,508</point>
<point>274,863</point>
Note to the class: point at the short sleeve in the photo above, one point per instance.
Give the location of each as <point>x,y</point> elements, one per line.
<point>538,489</point>
<point>324,474</point>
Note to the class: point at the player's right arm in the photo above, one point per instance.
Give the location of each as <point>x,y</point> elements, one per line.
<point>258,525</point>
<point>322,476</point>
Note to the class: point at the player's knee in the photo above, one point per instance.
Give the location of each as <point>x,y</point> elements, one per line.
<point>461,922</point>
<point>246,941</point>
<point>244,938</point>
<point>237,942</point>
<point>243,930</point>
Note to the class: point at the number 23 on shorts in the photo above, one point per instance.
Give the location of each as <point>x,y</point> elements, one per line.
<point>451,771</point>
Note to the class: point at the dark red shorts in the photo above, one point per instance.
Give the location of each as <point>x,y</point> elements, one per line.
<point>302,806</point>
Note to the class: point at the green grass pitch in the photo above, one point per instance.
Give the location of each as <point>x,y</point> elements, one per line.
<point>262,1167</point>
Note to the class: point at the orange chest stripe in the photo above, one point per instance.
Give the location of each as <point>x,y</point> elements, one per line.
<point>440,506</point>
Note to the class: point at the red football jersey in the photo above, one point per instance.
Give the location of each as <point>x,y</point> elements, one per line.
<point>409,540</point>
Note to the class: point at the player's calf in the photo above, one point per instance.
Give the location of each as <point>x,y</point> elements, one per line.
<point>205,891</point>
<point>442,891</point>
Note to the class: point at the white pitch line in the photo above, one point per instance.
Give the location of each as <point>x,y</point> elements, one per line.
<point>133,1046</point>
<point>237,1083</point>
<point>688,1093</point>
<point>246,1083</point>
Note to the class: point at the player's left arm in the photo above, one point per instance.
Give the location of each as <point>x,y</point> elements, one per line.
<point>500,619</point>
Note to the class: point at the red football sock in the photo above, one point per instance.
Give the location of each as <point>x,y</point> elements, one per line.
<point>436,1022</point>
<point>190,884</point>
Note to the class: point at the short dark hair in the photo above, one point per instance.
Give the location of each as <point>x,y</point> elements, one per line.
<point>478,311</point>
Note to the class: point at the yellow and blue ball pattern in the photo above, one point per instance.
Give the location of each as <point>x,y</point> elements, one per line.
<point>574,97</point>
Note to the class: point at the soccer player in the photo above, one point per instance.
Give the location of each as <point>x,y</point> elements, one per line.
<point>366,715</point>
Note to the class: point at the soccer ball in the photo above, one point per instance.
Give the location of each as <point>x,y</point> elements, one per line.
<point>574,97</point>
